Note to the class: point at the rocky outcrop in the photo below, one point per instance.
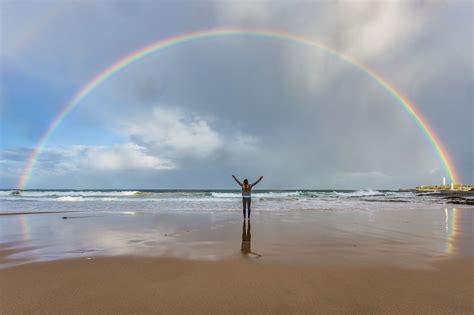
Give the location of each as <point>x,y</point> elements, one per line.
<point>457,187</point>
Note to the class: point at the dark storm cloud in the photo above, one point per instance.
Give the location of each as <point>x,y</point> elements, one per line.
<point>352,124</point>
<point>299,116</point>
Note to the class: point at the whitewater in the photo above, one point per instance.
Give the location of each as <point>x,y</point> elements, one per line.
<point>212,200</point>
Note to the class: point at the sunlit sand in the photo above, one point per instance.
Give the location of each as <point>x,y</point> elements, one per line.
<point>329,261</point>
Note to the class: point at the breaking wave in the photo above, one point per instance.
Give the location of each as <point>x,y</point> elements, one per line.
<point>360,193</point>
<point>214,200</point>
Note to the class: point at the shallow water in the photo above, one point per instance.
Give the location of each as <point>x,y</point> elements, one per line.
<point>403,236</point>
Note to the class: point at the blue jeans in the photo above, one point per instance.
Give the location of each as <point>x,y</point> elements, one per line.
<point>246,205</point>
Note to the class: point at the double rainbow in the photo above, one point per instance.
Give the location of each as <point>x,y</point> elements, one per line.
<point>173,41</point>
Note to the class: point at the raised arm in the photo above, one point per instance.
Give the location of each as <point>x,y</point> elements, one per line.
<point>235,178</point>
<point>258,180</point>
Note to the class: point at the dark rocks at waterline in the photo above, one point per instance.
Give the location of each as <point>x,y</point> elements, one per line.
<point>447,194</point>
<point>458,200</point>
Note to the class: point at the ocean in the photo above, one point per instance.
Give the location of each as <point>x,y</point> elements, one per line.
<point>220,200</point>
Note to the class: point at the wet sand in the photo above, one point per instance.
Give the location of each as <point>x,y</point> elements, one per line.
<point>126,285</point>
<point>402,237</point>
<point>35,212</point>
<point>416,261</point>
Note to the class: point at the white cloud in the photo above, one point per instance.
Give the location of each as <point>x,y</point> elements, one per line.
<point>381,27</point>
<point>80,158</point>
<point>365,28</point>
<point>123,157</point>
<point>371,32</point>
<point>159,141</point>
<point>172,133</point>
<point>177,135</point>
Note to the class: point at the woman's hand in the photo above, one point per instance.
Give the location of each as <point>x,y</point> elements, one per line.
<point>258,180</point>
<point>235,178</point>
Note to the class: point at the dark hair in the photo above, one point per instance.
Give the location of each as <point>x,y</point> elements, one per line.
<point>246,181</point>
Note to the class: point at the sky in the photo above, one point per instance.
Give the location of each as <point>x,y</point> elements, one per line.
<point>192,115</point>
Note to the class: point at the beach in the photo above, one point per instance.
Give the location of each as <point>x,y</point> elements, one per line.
<point>236,157</point>
<point>140,285</point>
<point>357,255</point>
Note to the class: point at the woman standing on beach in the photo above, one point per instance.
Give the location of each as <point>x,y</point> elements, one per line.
<point>246,193</point>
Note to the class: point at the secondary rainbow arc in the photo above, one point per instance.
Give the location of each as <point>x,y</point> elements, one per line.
<point>169,42</point>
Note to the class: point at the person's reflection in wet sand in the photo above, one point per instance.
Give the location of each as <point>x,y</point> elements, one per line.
<point>247,241</point>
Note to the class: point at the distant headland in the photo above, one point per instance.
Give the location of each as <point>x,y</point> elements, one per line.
<point>453,187</point>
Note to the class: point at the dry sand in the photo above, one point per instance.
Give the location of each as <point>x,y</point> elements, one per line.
<point>142,285</point>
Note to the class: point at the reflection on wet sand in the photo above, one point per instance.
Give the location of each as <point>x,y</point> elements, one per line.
<point>247,241</point>
<point>451,229</point>
<point>459,224</point>
<point>402,237</point>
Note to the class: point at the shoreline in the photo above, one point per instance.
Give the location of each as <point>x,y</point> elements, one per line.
<point>132,284</point>
<point>405,261</point>
<point>38,212</point>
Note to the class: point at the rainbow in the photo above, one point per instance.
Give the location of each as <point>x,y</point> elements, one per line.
<point>174,41</point>
<point>25,227</point>
<point>32,30</point>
